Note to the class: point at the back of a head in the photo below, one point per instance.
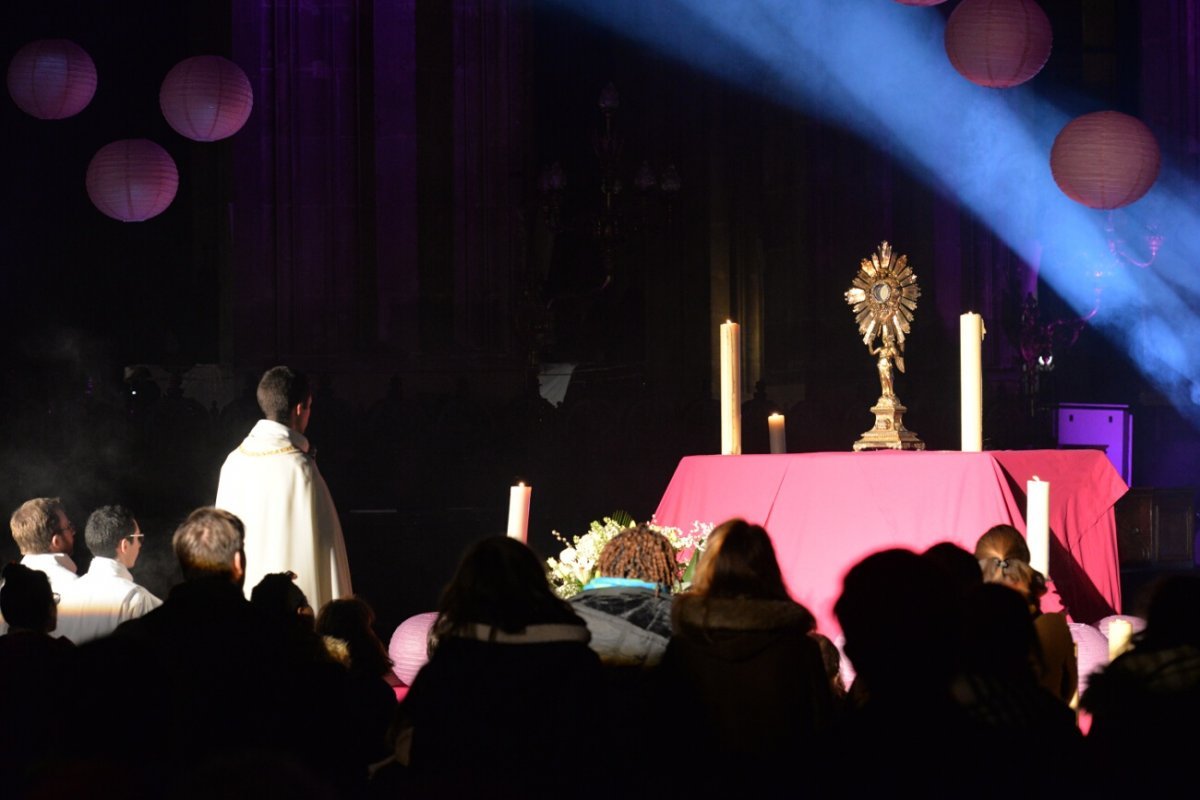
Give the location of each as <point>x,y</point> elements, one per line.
<point>280,600</point>
<point>499,583</point>
<point>209,543</point>
<point>959,565</point>
<point>640,554</point>
<point>35,523</point>
<point>898,615</point>
<point>1003,542</point>
<point>26,600</point>
<point>351,620</point>
<point>739,561</point>
<point>106,527</point>
<point>1173,616</point>
<point>279,391</point>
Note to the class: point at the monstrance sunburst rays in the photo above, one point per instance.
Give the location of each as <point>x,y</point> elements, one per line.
<point>883,296</point>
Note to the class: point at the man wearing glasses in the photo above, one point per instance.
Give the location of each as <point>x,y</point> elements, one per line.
<point>93,606</point>
<point>46,537</point>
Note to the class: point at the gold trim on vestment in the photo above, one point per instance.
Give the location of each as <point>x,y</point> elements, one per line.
<point>289,449</point>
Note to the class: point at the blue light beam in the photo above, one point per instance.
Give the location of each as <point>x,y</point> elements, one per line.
<point>879,68</point>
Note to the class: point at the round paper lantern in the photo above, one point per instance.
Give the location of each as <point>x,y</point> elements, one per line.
<point>1105,160</point>
<point>206,98</point>
<point>52,79</point>
<point>1092,647</point>
<point>998,43</point>
<point>132,180</point>
<point>409,647</point>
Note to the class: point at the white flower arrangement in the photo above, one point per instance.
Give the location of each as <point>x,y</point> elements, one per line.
<point>576,564</point>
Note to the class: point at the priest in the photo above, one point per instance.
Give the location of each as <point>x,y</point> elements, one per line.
<point>272,483</point>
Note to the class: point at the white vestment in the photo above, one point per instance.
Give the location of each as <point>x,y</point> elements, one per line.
<point>93,606</point>
<point>273,485</point>
<point>58,567</point>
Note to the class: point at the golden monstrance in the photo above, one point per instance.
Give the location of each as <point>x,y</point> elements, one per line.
<point>883,297</point>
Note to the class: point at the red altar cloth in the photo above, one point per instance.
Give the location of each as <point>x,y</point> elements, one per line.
<point>826,511</point>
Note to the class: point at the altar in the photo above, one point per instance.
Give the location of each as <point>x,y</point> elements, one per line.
<point>827,511</point>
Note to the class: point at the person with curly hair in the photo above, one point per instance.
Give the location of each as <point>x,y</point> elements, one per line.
<point>628,607</point>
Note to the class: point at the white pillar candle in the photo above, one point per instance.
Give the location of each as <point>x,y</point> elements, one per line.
<point>1037,524</point>
<point>1119,631</point>
<point>731,389</point>
<point>518,511</point>
<point>970,338</point>
<point>775,425</point>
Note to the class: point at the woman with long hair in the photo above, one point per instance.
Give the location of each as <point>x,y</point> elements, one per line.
<point>509,671</point>
<point>741,651</point>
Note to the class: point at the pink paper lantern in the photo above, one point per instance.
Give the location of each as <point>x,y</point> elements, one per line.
<point>52,79</point>
<point>1092,648</point>
<point>1105,160</point>
<point>998,43</point>
<point>206,98</point>
<point>409,647</point>
<point>132,180</point>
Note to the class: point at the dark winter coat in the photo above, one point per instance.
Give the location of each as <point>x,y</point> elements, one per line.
<point>747,673</point>
<point>630,625</point>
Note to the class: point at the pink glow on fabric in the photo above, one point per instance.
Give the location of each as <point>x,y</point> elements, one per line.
<point>825,512</point>
<point>52,79</point>
<point>409,647</point>
<point>998,43</point>
<point>132,180</point>
<point>206,98</point>
<point>1105,159</point>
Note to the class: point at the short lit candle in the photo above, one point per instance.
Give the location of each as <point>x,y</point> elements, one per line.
<point>775,424</point>
<point>731,389</point>
<point>1119,633</point>
<point>1037,524</point>
<point>970,338</point>
<point>518,511</point>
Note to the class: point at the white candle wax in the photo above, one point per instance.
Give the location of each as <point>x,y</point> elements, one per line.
<point>970,338</point>
<point>518,511</point>
<point>731,389</point>
<point>1037,524</point>
<point>1119,631</point>
<point>775,425</point>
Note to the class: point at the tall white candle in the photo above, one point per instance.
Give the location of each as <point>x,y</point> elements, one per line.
<point>518,511</point>
<point>731,389</point>
<point>775,425</point>
<point>970,338</point>
<point>1037,523</point>
<point>1119,631</point>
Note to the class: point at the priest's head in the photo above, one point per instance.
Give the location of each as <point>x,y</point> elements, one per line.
<point>285,397</point>
<point>209,544</point>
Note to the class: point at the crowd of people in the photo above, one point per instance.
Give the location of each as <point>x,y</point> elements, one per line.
<point>960,683</point>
